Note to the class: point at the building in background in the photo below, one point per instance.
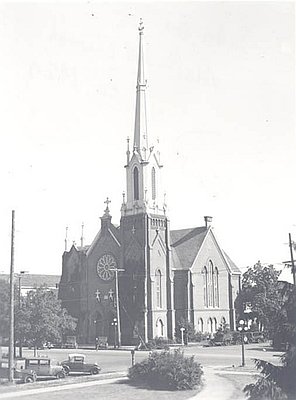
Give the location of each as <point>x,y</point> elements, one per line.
<point>163,275</point>
<point>30,282</point>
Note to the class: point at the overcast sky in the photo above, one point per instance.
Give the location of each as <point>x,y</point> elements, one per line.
<point>220,98</point>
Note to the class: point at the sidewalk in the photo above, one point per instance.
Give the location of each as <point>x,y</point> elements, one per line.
<point>215,387</point>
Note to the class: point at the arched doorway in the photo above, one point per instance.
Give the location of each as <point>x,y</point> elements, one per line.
<point>159,328</point>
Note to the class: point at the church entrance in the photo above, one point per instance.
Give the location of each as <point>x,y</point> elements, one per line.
<point>99,325</point>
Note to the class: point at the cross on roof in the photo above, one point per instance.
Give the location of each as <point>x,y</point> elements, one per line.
<point>107,201</point>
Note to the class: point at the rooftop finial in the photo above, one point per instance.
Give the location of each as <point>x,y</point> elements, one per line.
<point>81,239</point>
<point>107,201</point>
<point>66,239</point>
<point>141,26</point>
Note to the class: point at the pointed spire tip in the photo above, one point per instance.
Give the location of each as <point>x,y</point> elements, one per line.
<point>141,26</point>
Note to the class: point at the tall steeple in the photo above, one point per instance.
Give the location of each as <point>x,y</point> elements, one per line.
<point>140,133</point>
<point>144,192</point>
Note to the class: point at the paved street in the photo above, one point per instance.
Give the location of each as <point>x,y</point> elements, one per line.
<point>231,355</point>
<point>72,388</point>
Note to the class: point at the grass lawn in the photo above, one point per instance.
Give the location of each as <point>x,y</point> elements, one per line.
<point>115,391</point>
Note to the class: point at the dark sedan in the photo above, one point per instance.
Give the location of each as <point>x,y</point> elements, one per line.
<point>76,363</point>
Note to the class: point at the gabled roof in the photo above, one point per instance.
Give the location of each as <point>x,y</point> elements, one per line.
<point>114,232</point>
<point>233,267</point>
<point>186,244</point>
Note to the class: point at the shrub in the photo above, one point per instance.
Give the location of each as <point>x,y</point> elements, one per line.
<point>165,370</point>
<point>159,343</point>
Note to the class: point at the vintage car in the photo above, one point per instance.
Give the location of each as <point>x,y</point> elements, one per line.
<point>20,372</point>
<point>255,337</point>
<point>70,343</point>
<point>76,363</point>
<point>44,366</point>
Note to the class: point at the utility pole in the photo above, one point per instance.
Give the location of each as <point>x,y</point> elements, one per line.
<point>116,270</point>
<point>292,259</point>
<point>11,306</point>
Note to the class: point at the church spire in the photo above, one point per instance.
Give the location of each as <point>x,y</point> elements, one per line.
<point>140,133</point>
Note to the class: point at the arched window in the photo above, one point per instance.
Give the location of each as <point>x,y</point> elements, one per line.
<point>210,325</point>
<point>210,285</point>
<point>200,325</point>
<point>153,183</point>
<point>223,322</point>
<point>136,183</point>
<point>158,289</point>
<point>215,325</point>
<point>216,287</point>
<point>205,286</point>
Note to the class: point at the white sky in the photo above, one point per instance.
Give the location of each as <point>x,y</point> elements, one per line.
<point>220,98</point>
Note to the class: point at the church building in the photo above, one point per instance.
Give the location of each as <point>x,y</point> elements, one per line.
<point>136,280</point>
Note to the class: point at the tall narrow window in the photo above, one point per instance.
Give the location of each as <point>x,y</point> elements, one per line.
<point>136,183</point>
<point>216,287</point>
<point>153,183</point>
<point>158,289</point>
<point>210,285</point>
<point>205,286</point>
<point>210,325</point>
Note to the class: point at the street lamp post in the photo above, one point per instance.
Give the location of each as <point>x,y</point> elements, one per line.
<point>242,329</point>
<point>116,270</point>
<point>182,336</point>
<point>114,323</point>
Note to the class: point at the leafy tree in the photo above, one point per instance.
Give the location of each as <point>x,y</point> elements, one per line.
<point>278,382</point>
<point>4,308</point>
<point>47,319</point>
<point>260,288</point>
<point>39,316</point>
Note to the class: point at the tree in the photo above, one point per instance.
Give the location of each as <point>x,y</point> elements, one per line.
<point>4,308</point>
<point>278,382</point>
<point>47,320</point>
<point>260,288</point>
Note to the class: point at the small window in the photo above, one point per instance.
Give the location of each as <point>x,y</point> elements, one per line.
<point>136,183</point>
<point>32,362</point>
<point>153,183</point>
<point>158,289</point>
<point>44,362</point>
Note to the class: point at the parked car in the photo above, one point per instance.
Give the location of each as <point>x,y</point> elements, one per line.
<point>76,363</point>
<point>255,337</point>
<point>44,366</point>
<point>20,372</point>
<point>70,343</point>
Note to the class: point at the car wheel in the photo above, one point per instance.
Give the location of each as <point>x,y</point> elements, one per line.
<point>61,375</point>
<point>66,370</point>
<point>94,371</point>
<point>29,379</point>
